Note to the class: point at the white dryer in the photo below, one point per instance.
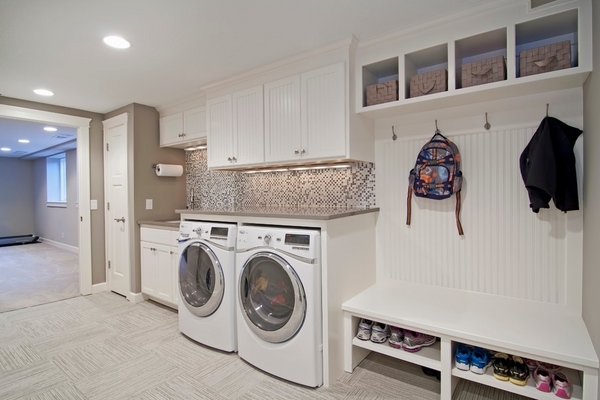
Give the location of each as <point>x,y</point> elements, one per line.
<point>279,325</point>
<point>207,283</point>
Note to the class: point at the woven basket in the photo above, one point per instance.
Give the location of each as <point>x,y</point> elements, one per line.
<point>428,83</point>
<point>483,71</point>
<point>382,92</point>
<point>548,58</point>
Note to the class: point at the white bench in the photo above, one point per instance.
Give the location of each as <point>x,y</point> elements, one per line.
<point>535,330</point>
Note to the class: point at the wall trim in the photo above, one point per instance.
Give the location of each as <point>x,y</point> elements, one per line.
<point>100,287</point>
<point>63,246</point>
<point>135,297</point>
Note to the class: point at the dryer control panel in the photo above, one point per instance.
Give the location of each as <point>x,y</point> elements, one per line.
<point>220,233</point>
<point>301,242</point>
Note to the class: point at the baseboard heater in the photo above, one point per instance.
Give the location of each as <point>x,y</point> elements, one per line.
<point>21,239</point>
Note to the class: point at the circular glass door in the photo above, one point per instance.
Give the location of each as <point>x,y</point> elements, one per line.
<point>201,281</point>
<point>272,297</point>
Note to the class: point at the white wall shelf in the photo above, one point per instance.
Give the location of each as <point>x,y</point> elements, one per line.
<point>428,357</point>
<point>508,34</point>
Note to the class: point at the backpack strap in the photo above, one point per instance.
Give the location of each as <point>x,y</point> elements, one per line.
<point>457,214</point>
<point>408,198</point>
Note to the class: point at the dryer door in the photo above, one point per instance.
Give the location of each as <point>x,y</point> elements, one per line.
<point>201,281</point>
<point>272,298</point>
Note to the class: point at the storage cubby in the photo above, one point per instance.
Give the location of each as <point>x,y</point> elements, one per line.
<point>548,30</point>
<point>493,39</point>
<point>424,61</point>
<point>379,72</point>
<point>529,390</point>
<point>479,48</point>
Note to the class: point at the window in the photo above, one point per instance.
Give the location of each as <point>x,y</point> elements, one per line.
<point>56,180</point>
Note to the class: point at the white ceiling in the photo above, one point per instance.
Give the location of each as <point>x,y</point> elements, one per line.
<point>177,46</point>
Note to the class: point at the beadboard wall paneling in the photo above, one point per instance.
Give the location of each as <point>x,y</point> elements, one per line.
<point>506,250</point>
<point>349,187</point>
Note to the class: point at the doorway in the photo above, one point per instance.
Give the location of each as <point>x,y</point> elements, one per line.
<point>83,181</point>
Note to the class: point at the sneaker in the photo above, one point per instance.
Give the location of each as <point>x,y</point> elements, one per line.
<point>501,366</point>
<point>414,341</point>
<point>364,329</point>
<point>462,358</point>
<point>548,367</point>
<point>396,337</point>
<point>561,386</point>
<point>518,371</point>
<point>379,333</point>
<point>479,361</point>
<point>542,379</point>
<point>532,365</point>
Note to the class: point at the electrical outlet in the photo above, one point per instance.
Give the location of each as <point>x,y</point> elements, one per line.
<point>148,204</point>
<point>93,204</point>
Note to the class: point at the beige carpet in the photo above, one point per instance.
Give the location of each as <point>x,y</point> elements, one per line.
<point>104,347</point>
<point>36,274</point>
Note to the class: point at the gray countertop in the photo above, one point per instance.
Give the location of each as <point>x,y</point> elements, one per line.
<point>315,213</point>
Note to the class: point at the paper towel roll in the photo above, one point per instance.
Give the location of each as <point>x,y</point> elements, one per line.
<point>169,170</point>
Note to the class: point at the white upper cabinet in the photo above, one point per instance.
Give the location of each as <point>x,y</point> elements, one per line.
<point>323,98</point>
<point>183,129</point>
<point>305,116</point>
<point>282,120</point>
<point>236,129</point>
<point>219,121</point>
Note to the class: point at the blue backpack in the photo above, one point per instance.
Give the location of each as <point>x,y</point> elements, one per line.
<point>436,174</point>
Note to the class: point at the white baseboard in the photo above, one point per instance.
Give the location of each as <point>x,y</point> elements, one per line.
<point>60,245</point>
<point>135,297</point>
<point>100,287</point>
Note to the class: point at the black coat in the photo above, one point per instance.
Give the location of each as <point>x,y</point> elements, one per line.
<point>548,166</point>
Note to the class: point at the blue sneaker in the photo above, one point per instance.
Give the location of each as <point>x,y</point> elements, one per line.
<point>479,360</point>
<point>462,358</point>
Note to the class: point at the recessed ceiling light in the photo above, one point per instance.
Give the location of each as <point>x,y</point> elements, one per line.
<point>43,92</point>
<point>5,148</point>
<point>23,141</point>
<point>49,129</point>
<point>117,42</point>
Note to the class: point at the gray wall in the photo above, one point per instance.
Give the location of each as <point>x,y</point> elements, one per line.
<point>591,194</point>
<point>167,193</point>
<point>56,223</point>
<point>16,197</point>
<point>96,175</point>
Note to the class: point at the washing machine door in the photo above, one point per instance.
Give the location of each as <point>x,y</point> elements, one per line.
<point>201,280</point>
<point>272,297</point>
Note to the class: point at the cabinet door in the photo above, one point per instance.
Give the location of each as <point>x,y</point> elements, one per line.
<point>164,273</point>
<point>194,122</point>
<point>171,129</point>
<point>219,131</point>
<point>248,127</point>
<point>148,268</point>
<point>282,120</point>
<point>323,94</point>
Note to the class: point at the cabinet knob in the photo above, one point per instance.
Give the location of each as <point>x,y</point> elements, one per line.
<point>234,159</point>
<point>229,159</point>
<point>302,151</point>
<point>181,135</point>
<point>296,151</point>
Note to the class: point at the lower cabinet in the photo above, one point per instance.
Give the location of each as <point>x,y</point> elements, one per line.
<point>159,259</point>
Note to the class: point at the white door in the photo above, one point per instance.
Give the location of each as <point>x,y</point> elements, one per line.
<point>118,222</point>
<point>248,126</point>
<point>282,120</point>
<point>220,131</point>
<point>323,94</point>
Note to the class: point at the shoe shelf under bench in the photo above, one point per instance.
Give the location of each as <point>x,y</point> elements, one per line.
<point>533,330</point>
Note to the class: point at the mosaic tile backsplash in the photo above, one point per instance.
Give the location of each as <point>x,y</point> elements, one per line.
<point>348,187</point>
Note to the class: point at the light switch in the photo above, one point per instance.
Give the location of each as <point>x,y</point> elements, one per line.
<point>148,204</point>
<point>94,204</point>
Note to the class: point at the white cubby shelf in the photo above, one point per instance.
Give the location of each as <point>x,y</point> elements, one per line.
<point>509,32</point>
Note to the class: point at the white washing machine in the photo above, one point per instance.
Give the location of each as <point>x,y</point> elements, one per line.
<point>207,283</point>
<point>279,326</point>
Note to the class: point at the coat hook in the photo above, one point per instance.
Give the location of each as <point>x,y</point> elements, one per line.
<point>394,136</point>
<point>547,107</point>
<point>487,125</point>
<point>436,127</point>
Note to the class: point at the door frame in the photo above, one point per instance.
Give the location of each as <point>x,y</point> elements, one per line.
<point>83,179</point>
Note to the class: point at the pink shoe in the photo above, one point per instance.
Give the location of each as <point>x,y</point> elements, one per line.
<point>542,379</point>
<point>561,386</point>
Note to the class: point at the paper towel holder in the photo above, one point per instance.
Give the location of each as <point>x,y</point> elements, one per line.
<point>154,166</point>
